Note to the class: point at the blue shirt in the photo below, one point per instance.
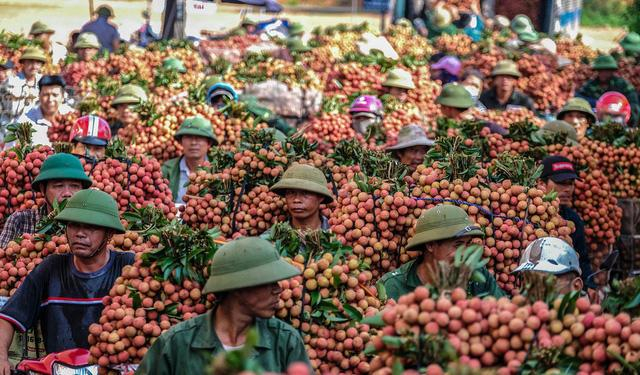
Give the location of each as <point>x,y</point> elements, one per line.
<point>106,32</point>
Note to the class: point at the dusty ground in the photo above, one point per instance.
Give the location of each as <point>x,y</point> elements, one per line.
<point>68,15</point>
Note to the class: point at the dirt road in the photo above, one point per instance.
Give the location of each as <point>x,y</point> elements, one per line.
<point>67,15</point>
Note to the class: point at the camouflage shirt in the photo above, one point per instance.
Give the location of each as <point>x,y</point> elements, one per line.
<point>592,90</point>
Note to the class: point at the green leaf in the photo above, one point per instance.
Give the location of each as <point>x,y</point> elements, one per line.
<point>352,312</point>
<point>315,297</point>
<point>374,321</point>
<point>633,303</point>
<point>392,341</point>
<point>137,300</point>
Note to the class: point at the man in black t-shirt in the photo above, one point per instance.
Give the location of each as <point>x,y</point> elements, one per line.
<point>64,293</point>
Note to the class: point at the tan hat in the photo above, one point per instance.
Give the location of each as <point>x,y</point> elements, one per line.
<point>443,222</point>
<point>34,53</point>
<point>39,27</point>
<point>409,136</point>
<point>506,68</point>
<point>87,40</point>
<point>400,78</point>
<point>303,177</point>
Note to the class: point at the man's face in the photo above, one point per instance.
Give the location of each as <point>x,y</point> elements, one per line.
<point>58,190</point>
<point>399,93</point>
<point>568,282</point>
<point>31,68</point>
<point>50,99</point>
<point>87,54</point>
<point>579,120</point>
<point>505,83</point>
<point>44,37</point>
<point>302,204</point>
<point>565,191</point>
<point>445,250</point>
<point>412,156</point>
<point>86,240</point>
<point>96,152</point>
<point>450,112</point>
<point>4,74</point>
<point>261,301</point>
<point>195,147</point>
<point>473,84</point>
<point>126,114</point>
<point>605,75</point>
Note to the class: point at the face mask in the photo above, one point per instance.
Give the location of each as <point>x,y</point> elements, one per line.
<point>362,125</point>
<point>473,91</point>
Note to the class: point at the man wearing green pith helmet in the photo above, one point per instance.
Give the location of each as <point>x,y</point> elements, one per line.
<point>64,293</point>
<point>61,176</point>
<point>438,234</point>
<point>244,277</point>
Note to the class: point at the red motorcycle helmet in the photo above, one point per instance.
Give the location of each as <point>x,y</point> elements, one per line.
<point>613,104</point>
<point>91,130</point>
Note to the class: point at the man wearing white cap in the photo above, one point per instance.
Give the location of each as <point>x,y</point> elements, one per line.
<point>550,255</point>
<point>411,146</point>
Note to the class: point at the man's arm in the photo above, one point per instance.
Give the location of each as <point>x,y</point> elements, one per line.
<point>10,230</point>
<point>6,336</point>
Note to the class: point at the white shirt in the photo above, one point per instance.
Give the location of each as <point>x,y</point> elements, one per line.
<point>184,178</point>
<point>41,125</point>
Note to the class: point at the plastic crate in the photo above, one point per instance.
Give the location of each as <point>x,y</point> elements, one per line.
<point>630,216</point>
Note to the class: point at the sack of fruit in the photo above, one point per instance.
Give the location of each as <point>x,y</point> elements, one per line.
<point>284,100</point>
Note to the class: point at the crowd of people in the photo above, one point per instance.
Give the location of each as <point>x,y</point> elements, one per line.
<point>64,294</point>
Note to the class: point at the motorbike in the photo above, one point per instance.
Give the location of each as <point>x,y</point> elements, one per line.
<point>68,362</point>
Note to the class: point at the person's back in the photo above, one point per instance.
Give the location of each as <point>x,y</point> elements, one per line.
<point>108,34</point>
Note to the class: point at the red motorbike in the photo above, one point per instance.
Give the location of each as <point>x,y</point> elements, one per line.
<point>68,362</point>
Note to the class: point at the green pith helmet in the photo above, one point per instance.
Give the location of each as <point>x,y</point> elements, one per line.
<point>631,43</point>
<point>560,127</point>
<point>604,62</point>
<point>211,80</point>
<point>297,45</point>
<point>296,29</point>
<point>61,167</point>
<point>456,96</point>
<point>198,126</point>
<point>92,207</point>
<point>529,36</point>
<point>39,27</point>
<point>443,222</point>
<point>129,94</point>
<point>578,105</point>
<point>87,40</point>
<point>303,177</point>
<point>247,262</point>
<point>172,63</point>
<point>521,24</point>
<point>400,78</point>
<point>34,53</point>
<point>506,68</point>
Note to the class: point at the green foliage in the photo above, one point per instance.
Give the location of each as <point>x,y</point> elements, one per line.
<point>633,16</point>
<point>624,297</point>
<point>455,158</point>
<point>605,13</point>
<point>238,361</point>
<point>521,170</point>
<point>145,220</point>
<point>48,226</point>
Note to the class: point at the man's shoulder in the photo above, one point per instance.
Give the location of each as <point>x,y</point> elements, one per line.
<point>621,83</point>
<point>278,327</point>
<point>397,274</point>
<point>184,330</point>
<point>126,257</point>
<point>23,215</point>
<point>171,163</point>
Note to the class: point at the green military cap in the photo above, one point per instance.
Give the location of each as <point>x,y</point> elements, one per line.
<point>39,27</point>
<point>303,177</point>
<point>456,96</point>
<point>105,10</point>
<point>296,29</point>
<point>247,262</point>
<point>577,105</point>
<point>61,167</point>
<point>521,24</point>
<point>560,127</point>
<point>198,126</point>
<point>34,53</point>
<point>87,40</point>
<point>529,36</point>
<point>129,94</point>
<point>506,68</point>
<point>409,136</point>
<point>297,45</point>
<point>604,62</point>
<point>631,43</point>
<point>443,222</point>
<point>400,78</point>
<point>172,63</point>
<point>92,207</point>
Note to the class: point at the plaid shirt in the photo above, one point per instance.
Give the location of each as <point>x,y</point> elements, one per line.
<point>19,223</point>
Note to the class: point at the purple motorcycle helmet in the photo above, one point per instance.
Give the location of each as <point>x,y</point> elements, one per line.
<point>367,104</point>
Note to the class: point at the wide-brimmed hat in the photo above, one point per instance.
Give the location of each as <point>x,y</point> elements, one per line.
<point>39,27</point>
<point>631,43</point>
<point>560,127</point>
<point>604,62</point>
<point>87,40</point>
<point>529,36</point>
<point>61,167</point>
<point>92,207</point>
<point>443,222</point>
<point>506,68</point>
<point>456,96</point>
<point>400,78</point>
<point>247,262</point>
<point>577,105</point>
<point>34,53</point>
<point>522,24</point>
<point>198,126</point>
<point>303,177</point>
<point>409,136</point>
<point>129,94</point>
